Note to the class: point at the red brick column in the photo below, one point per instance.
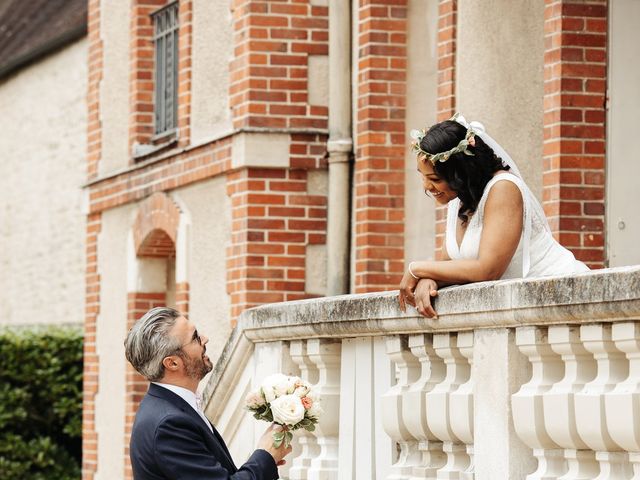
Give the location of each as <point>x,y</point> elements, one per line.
<point>381,145</point>
<point>90,369</point>
<point>182,297</point>
<point>274,219</point>
<point>92,290</point>
<point>154,235</point>
<point>269,70</point>
<point>184,71</point>
<point>574,125</point>
<point>447,41</point>
<point>447,37</point>
<point>135,384</point>
<point>141,122</point>
<point>95,59</point>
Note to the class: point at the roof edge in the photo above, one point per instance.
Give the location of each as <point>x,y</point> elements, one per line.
<point>42,51</point>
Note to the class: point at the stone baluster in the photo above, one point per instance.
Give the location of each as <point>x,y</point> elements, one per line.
<point>415,401</point>
<point>438,399</point>
<point>527,403</point>
<point>367,373</point>
<point>393,418</point>
<point>622,404</point>
<point>306,440</point>
<point>559,405</point>
<point>634,459</point>
<point>325,355</point>
<point>461,410</point>
<point>612,368</point>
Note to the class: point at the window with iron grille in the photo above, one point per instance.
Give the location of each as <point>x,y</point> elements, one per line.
<point>165,41</point>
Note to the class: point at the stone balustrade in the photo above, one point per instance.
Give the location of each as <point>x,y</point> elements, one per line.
<point>524,379</point>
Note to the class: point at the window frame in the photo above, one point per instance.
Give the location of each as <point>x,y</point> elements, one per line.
<point>166,25</point>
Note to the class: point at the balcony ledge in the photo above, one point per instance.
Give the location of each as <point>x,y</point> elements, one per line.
<point>606,295</point>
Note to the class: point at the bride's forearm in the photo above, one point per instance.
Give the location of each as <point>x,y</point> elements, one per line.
<point>450,272</point>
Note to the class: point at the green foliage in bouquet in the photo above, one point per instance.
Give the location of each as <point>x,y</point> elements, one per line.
<point>40,404</point>
<point>287,401</point>
<point>263,412</point>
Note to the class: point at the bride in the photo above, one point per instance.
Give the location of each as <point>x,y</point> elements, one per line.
<point>496,229</point>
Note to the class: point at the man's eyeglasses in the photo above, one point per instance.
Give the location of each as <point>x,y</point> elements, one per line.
<point>195,338</point>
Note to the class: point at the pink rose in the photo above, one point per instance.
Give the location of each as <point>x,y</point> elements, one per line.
<point>307,402</point>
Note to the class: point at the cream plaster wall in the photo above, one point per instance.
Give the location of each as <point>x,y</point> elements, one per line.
<point>316,255</point>
<point>318,83</point>
<point>114,87</point>
<point>212,51</point>
<point>419,241</point>
<point>209,210</point>
<point>42,170</point>
<point>500,76</point>
<point>260,150</point>
<point>113,246</point>
<point>623,160</point>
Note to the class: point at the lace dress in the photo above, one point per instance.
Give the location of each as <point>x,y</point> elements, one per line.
<point>538,253</point>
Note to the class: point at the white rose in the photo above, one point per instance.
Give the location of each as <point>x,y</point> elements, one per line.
<point>285,386</point>
<point>287,410</point>
<point>269,385</point>
<point>254,400</point>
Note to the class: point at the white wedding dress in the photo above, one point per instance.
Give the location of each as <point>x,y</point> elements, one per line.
<point>538,253</point>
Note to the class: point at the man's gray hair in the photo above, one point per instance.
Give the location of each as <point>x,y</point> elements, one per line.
<point>148,342</point>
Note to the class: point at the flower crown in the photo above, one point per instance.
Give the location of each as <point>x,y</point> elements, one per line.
<point>462,147</point>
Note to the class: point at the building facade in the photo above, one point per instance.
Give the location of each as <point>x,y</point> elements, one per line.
<point>242,152</point>
<point>43,111</point>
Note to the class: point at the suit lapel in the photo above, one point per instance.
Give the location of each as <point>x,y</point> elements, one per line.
<point>214,438</point>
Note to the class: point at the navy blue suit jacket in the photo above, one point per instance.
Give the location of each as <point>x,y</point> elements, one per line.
<point>170,441</point>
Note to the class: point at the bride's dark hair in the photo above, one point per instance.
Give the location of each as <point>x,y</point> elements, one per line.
<point>465,174</point>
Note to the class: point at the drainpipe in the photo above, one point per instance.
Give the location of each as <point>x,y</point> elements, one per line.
<point>339,147</point>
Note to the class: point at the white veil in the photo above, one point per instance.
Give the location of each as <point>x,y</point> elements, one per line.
<point>531,205</point>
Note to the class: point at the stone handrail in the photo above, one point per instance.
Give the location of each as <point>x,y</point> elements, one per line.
<point>518,352</point>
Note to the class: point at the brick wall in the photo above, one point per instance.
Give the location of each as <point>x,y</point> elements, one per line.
<point>90,369</point>
<point>185,63</point>
<point>274,218</point>
<point>275,215</point>
<point>95,58</point>
<point>141,123</point>
<point>92,278</point>
<point>269,85</point>
<point>138,303</point>
<point>381,143</point>
<point>574,125</point>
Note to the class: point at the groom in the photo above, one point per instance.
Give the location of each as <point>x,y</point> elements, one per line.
<point>171,437</point>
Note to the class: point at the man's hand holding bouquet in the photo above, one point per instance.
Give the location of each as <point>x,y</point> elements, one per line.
<point>287,401</point>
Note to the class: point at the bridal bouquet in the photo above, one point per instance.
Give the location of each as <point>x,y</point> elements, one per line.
<point>287,401</point>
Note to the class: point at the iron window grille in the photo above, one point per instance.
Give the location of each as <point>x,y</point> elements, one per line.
<point>165,41</point>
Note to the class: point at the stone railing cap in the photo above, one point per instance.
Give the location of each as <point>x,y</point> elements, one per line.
<point>600,295</point>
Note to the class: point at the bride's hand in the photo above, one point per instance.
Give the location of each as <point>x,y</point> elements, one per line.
<point>407,287</point>
<point>424,292</point>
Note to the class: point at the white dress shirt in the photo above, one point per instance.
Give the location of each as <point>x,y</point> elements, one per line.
<point>189,397</point>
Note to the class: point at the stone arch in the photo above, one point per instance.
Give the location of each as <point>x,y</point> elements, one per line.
<point>155,229</point>
<point>153,251</point>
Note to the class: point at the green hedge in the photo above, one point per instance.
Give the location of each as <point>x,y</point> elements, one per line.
<point>40,404</point>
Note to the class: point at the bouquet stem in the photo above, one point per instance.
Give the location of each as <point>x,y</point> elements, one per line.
<point>282,436</point>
